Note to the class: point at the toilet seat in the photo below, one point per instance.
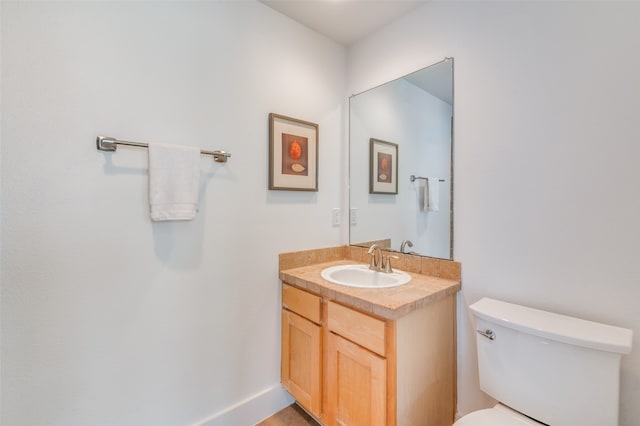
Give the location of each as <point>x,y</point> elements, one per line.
<point>499,415</point>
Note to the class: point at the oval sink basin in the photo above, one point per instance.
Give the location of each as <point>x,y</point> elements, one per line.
<point>362,276</point>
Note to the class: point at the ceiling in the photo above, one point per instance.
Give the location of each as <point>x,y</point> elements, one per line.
<point>347,21</point>
<point>344,21</point>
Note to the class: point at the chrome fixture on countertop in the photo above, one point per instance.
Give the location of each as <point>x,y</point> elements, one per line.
<point>404,244</point>
<point>373,265</point>
<point>377,265</point>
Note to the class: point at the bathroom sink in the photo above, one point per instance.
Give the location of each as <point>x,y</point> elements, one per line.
<point>362,276</point>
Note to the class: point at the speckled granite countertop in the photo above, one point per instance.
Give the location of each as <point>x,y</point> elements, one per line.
<point>390,303</point>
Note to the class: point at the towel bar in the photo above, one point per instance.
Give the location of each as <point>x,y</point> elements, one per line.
<point>107,143</point>
<point>414,177</point>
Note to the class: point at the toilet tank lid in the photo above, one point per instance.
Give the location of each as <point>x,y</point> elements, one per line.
<point>554,326</point>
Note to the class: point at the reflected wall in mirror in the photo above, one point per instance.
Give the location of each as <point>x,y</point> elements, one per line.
<point>416,113</point>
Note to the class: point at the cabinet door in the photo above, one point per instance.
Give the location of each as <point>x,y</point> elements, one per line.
<point>356,385</point>
<point>301,360</point>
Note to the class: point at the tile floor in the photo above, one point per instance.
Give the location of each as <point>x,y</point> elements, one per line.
<point>290,416</point>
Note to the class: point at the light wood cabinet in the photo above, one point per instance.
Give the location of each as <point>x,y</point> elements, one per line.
<point>350,368</point>
<point>301,368</point>
<point>356,384</point>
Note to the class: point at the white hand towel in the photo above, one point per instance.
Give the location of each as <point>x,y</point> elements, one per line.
<point>423,195</point>
<point>174,179</point>
<point>432,195</point>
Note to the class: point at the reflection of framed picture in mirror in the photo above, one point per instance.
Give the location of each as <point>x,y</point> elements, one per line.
<point>293,154</point>
<point>383,167</point>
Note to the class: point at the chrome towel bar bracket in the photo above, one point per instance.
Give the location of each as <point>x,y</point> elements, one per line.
<point>110,144</point>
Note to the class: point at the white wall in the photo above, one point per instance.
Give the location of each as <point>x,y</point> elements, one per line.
<point>547,184</point>
<point>420,124</point>
<point>108,318</point>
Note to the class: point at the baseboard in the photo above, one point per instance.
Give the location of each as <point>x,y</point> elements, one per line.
<point>251,410</point>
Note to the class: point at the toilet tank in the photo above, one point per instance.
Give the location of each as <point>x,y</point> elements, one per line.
<point>559,370</point>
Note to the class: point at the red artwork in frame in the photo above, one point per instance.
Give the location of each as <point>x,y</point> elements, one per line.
<point>293,154</point>
<point>383,167</point>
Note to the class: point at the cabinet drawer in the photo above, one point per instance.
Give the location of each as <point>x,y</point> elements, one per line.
<point>301,302</point>
<point>359,328</point>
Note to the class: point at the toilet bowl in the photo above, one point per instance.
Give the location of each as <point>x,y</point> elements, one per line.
<point>500,415</point>
<point>544,367</point>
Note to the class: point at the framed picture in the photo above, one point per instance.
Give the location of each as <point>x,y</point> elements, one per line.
<point>293,154</point>
<point>383,167</point>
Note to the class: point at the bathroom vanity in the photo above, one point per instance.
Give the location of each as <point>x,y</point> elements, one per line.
<point>361,356</point>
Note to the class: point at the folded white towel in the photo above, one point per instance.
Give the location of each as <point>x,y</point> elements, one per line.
<point>432,196</point>
<point>429,194</point>
<point>423,194</point>
<point>174,179</point>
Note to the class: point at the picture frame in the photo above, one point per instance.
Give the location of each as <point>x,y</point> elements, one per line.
<point>293,154</point>
<point>383,167</point>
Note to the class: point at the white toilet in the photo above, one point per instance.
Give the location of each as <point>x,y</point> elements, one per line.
<point>546,368</point>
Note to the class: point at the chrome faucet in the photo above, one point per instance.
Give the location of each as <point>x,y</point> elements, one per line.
<point>377,265</point>
<point>373,265</point>
<point>404,244</point>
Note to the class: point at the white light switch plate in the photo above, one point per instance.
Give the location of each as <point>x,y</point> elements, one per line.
<point>353,214</point>
<point>335,217</point>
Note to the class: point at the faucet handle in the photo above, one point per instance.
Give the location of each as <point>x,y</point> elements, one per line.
<point>387,264</point>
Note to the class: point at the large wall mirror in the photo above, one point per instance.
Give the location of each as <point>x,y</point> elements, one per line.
<point>400,163</point>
